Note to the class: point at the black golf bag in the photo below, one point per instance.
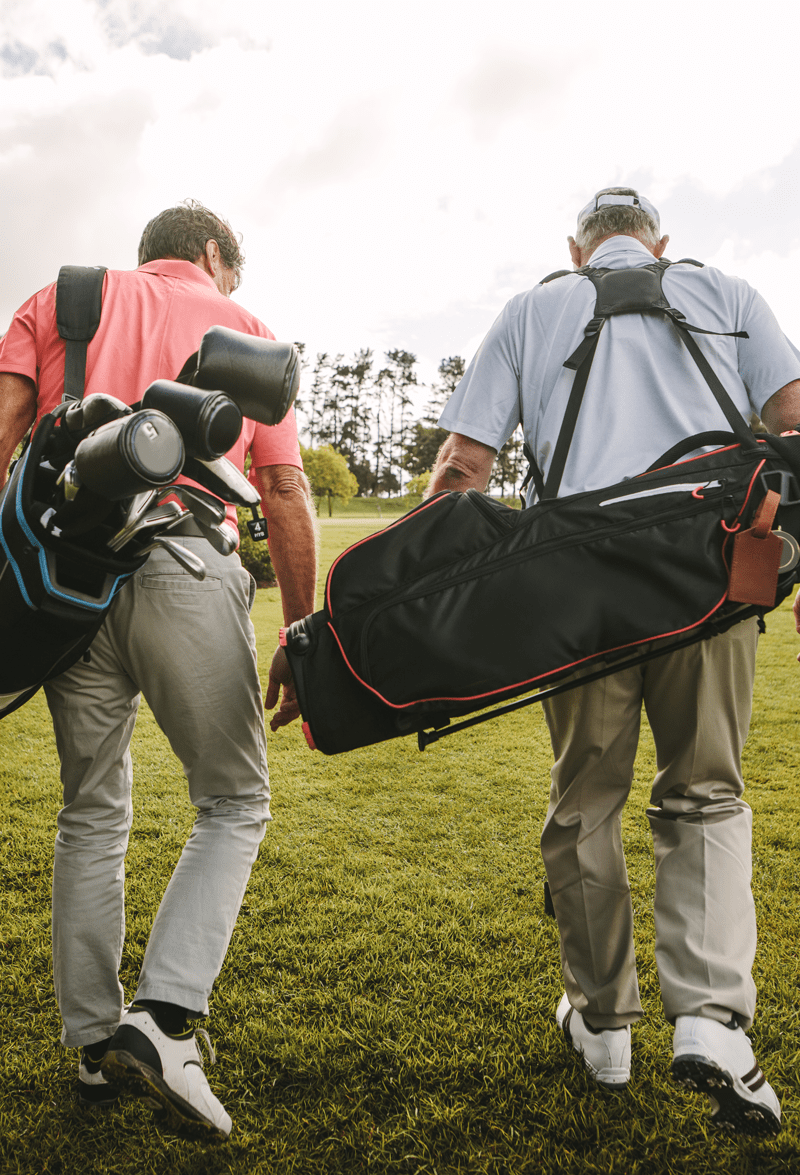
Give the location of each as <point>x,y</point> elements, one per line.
<point>54,591</point>
<point>465,602</point>
<point>64,552</point>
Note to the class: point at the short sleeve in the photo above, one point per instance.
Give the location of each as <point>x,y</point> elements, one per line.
<point>276,444</point>
<point>485,405</point>
<point>767,360</point>
<point>18,349</point>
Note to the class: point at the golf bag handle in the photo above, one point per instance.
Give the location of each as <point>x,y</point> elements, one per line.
<point>690,444</point>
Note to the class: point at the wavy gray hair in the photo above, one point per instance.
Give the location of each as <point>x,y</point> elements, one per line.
<point>629,219</point>
<point>183,232</point>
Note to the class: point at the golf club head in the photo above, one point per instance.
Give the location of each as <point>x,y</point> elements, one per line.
<point>209,514</point>
<point>221,537</point>
<point>69,481</point>
<point>187,559</point>
<point>84,416</point>
<point>138,504</point>
<point>207,509</point>
<point>223,479</point>
<point>162,515</point>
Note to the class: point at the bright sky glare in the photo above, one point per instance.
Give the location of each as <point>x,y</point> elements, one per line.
<point>398,168</point>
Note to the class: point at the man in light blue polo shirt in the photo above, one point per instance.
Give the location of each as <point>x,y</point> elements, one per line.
<point>644,394</point>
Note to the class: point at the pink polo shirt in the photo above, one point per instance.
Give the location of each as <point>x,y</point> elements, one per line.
<point>153,319</point>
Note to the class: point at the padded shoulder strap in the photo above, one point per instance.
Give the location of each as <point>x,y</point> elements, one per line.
<point>632,291</point>
<point>79,304</point>
<point>558,273</point>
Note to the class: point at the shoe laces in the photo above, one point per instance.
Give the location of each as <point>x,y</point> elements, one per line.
<point>212,1056</point>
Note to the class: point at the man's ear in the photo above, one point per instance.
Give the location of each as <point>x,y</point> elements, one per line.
<point>658,251</point>
<point>574,252</point>
<point>213,257</point>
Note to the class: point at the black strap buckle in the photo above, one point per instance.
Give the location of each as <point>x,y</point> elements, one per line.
<point>783,482</point>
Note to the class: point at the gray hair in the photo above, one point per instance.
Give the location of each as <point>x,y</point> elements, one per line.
<point>184,231</point>
<point>629,219</point>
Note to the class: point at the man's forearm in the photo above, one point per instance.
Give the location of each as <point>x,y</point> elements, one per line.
<point>17,413</point>
<point>461,464</point>
<point>291,523</point>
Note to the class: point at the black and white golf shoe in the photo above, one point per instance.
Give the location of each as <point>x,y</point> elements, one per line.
<point>148,1062</point>
<point>717,1060</point>
<point>94,1091</point>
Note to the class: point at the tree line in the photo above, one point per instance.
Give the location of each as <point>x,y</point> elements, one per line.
<point>366,412</point>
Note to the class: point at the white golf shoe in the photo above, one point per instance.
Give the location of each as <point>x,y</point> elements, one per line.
<point>146,1061</point>
<point>718,1060</point>
<point>606,1053</point>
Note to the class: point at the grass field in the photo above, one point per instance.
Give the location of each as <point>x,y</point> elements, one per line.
<point>387,1002</point>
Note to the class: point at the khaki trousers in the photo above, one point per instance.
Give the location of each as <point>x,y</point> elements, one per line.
<point>698,702</point>
<point>189,647</point>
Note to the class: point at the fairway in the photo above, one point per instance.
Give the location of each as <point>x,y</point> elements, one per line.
<point>387,1004</point>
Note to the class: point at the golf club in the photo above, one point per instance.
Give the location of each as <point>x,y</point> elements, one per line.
<point>137,506</point>
<point>221,537</point>
<point>204,506</point>
<point>223,479</point>
<point>188,561</point>
<point>162,515</point>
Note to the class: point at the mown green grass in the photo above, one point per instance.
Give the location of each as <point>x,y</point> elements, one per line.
<point>387,1002</point>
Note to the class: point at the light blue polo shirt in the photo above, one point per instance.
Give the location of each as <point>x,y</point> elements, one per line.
<point>645,392</point>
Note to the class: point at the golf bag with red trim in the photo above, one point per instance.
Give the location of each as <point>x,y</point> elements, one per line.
<point>464,602</point>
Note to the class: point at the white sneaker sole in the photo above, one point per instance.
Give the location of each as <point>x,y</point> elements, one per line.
<point>737,1111</point>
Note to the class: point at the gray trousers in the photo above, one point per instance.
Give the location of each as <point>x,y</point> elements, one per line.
<point>189,647</point>
<point>698,702</point>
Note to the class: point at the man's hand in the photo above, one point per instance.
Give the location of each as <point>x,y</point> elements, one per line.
<point>796,610</point>
<point>281,675</point>
<point>286,500</point>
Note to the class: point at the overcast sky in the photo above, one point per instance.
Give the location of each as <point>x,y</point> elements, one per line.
<point>398,169</point>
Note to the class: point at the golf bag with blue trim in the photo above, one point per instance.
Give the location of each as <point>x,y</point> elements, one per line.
<point>54,591</point>
<point>67,544</point>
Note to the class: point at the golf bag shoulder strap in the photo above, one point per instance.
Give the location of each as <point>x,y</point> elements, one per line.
<point>630,291</point>
<point>534,472</point>
<point>79,304</point>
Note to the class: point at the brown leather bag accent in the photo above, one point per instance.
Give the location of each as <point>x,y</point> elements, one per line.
<point>756,557</point>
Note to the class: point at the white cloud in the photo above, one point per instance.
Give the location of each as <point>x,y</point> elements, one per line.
<point>398,170</point>
<point>503,84</point>
<point>64,175</point>
<point>345,147</point>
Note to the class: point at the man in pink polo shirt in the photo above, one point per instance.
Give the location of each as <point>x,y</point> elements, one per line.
<point>189,648</point>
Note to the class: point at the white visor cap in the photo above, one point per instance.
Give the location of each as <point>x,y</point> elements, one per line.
<point>605,197</point>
